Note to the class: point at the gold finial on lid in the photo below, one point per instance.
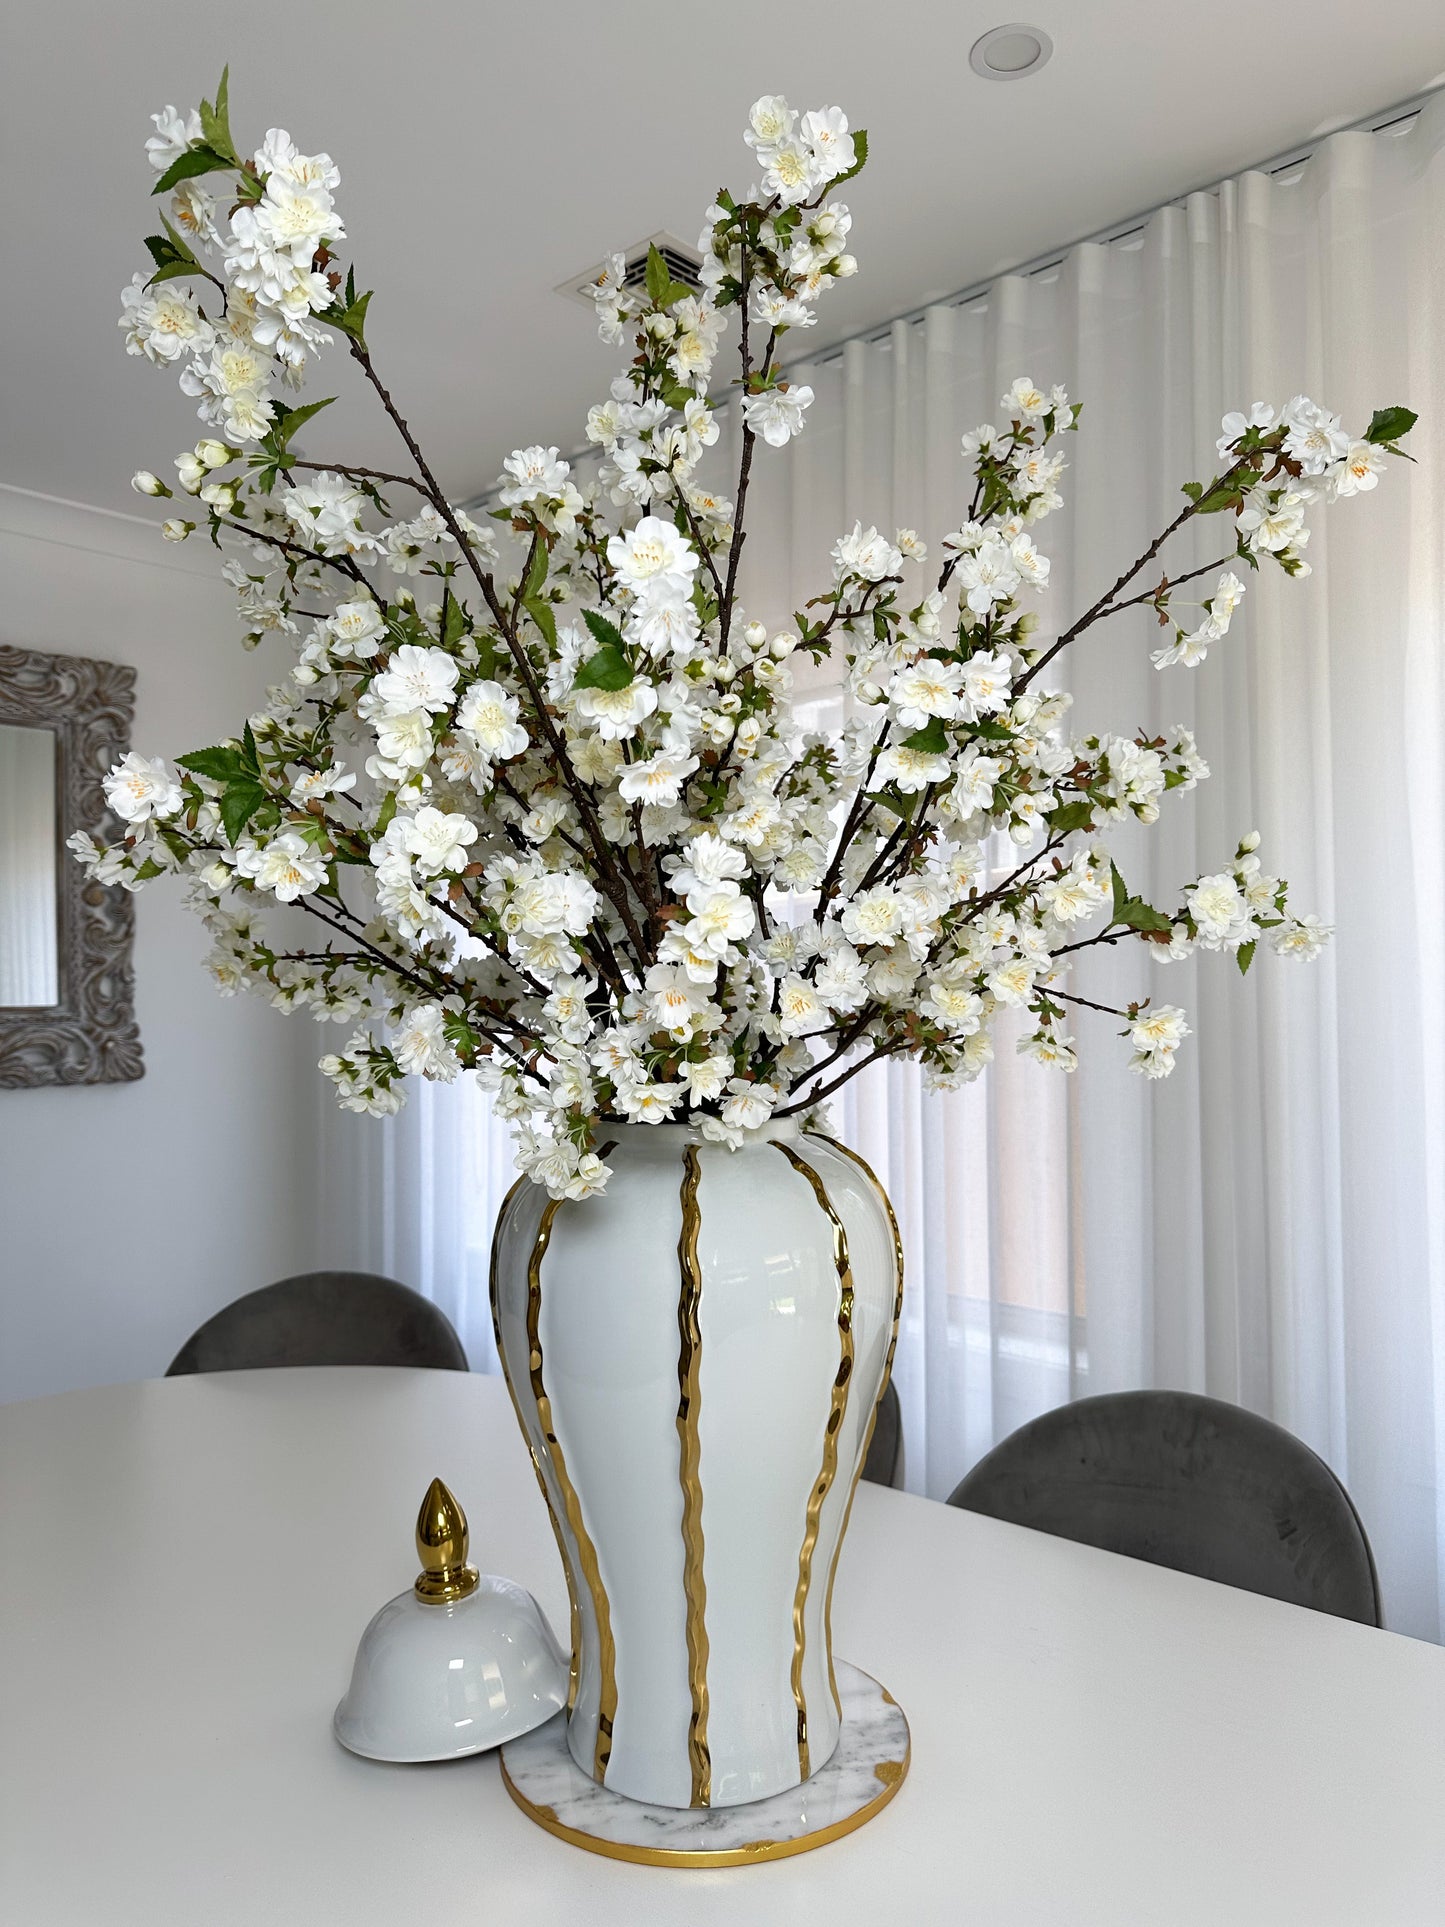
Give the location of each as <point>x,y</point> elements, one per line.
<point>441,1541</point>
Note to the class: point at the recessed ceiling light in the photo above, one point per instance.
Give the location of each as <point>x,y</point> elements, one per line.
<point>1009,53</point>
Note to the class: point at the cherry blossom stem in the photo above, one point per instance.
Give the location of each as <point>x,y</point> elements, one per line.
<point>607,867</point>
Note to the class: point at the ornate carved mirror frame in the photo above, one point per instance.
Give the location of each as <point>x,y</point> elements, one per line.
<point>90,1035</point>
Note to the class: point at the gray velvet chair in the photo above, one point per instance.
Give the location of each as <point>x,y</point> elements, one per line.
<point>884,1463</point>
<point>323,1318</point>
<point>1187,1482</point>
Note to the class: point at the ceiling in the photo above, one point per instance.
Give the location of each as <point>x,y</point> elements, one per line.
<point>489,152</point>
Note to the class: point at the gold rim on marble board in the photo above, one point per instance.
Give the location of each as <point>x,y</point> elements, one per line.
<point>890,1773</point>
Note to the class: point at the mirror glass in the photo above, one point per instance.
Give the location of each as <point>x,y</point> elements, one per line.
<point>29,923</point>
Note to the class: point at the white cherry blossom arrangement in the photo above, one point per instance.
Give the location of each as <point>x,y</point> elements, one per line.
<point>548,806</point>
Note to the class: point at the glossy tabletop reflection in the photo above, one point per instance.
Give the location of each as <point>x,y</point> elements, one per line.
<point>186,1566</point>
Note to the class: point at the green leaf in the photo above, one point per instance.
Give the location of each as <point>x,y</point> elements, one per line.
<point>173,271</point>
<point>1389,424</point>
<point>293,418</point>
<point>249,752</point>
<point>658,278</point>
<point>351,319</point>
<point>537,573</point>
<point>170,253</point>
<point>385,813</point>
<point>1138,915</point>
<point>239,804</point>
<point>1133,912</point>
<point>931,740</point>
<point>602,630</point>
<point>216,122</point>
<point>1068,817</point>
<point>860,150</point>
<point>1193,490</point>
<point>892,798</point>
<point>196,160</point>
<point>541,614</point>
<point>607,669</point>
<point>1219,498</point>
<point>224,764</point>
<point>454,621</point>
<point>1244,956</point>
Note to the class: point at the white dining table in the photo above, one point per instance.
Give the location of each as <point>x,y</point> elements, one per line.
<point>186,1565</point>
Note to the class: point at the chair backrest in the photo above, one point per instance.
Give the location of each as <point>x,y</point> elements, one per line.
<point>884,1463</point>
<point>1188,1482</point>
<point>323,1318</point>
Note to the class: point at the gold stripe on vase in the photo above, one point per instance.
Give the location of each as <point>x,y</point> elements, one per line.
<point>823,1484</point>
<point>586,1551</point>
<point>689,1407</point>
<point>872,1178</point>
<point>574,1614</point>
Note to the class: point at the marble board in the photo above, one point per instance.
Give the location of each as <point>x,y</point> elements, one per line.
<point>866,1770</point>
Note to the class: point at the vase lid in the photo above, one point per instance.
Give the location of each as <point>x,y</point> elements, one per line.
<point>457,1664</point>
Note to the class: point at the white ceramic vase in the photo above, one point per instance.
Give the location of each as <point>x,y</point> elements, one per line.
<point>696,1359</point>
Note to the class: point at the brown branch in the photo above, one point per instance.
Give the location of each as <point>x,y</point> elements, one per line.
<point>1106,605</point>
<point>607,867</point>
<point>809,1098</point>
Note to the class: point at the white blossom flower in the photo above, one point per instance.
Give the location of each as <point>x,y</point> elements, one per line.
<point>653,554</point>
<point>162,323</point>
<point>1360,470</point>
<point>140,788</point>
<point>490,716</point>
<point>173,136</point>
<point>987,682</point>
<point>988,575</point>
<point>926,688</point>
<point>866,553</point>
<point>288,865</point>
<point>1316,439</point>
<point>777,414</point>
<point>421,1046</point>
<point>355,629</point>
<point>531,475</point>
<point>1301,937</point>
<point>617,713</point>
<point>438,840</point>
<point>1234,425</point>
<point>414,678</point>
<point>749,1105</point>
<point>1219,910</point>
<point>1025,401</point>
<point>1156,1035</point>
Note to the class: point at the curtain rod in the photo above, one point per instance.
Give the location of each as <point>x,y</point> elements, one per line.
<point>1383,120</point>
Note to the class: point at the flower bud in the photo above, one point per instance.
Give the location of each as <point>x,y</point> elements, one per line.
<point>1248,844</point>
<point>190,471</point>
<point>175,531</point>
<point>144,483</point>
<point>783,644</point>
<point>845,265</point>
<point>220,496</point>
<point>723,671</point>
<point>755,635</point>
<point>215,454</point>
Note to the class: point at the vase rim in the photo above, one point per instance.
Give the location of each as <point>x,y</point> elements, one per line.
<point>625,1131</point>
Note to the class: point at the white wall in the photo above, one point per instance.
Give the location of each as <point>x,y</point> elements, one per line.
<point>130,1212</point>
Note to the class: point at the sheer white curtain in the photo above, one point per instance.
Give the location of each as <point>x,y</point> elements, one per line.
<point>1269,1225</point>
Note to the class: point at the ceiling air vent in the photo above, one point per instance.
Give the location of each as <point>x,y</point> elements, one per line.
<point>683,264</point>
